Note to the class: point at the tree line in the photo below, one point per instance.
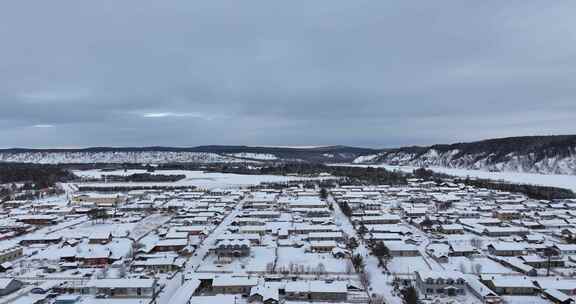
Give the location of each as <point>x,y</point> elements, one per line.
<point>531,191</point>
<point>35,176</point>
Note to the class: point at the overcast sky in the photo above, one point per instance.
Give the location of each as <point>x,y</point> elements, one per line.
<point>369,73</point>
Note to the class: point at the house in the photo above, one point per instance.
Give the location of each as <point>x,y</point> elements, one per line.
<point>234,285</point>
<point>380,220</point>
<point>507,214</point>
<point>38,219</point>
<point>452,229</point>
<point>511,285</point>
<point>9,254</point>
<point>170,245</point>
<point>101,200</point>
<point>192,230</point>
<point>162,264</point>
<point>516,264</point>
<point>507,249</point>
<point>100,237</point>
<point>215,299</point>
<point>566,249</point>
<point>67,299</point>
<point>448,283</point>
<point>505,231</point>
<point>565,285</point>
<point>400,248</point>
<point>557,296</point>
<point>481,291</point>
<point>537,261</point>
<point>265,294</point>
<point>414,212</point>
<point>41,239</point>
<point>8,286</point>
<point>462,250</point>
<point>325,236</point>
<point>322,246</point>
<point>233,248</point>
<point>96,257</point>
<point>316,291</point>
<point>122,288</point>
<point>384,237</point>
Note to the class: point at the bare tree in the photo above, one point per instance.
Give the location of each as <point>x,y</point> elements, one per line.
<point>377,299</point>
<point>122,271</point>
<point>462,268</point>
<point>321,269</point>
<point>364,279</point>
<point>478,268</point>
<point>270,267</point>
<point>349,268</point>
<point>476,243</point>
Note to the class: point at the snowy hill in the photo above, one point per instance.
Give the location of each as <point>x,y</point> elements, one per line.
<point>114,157</point>
<point>534,154</point>
<point>201,154</point>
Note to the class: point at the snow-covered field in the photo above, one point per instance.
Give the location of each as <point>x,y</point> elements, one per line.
<point>310,261</point>
<point>259,258</point>
<point>468,264</point>
<point>208,180</point>
<point>407,265</point>
<point>552,180</point>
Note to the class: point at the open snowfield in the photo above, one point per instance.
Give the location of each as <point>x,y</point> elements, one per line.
<point>297,256</point>
<point>87,228</point>
<point>552,180</point>
<point>468,265</point>
<point>207,180</point>
<point>407,265</point>
<point>524,300</point>
<point>257,261</point>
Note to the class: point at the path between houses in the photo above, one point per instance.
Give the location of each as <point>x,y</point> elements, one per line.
<point>380,283</point>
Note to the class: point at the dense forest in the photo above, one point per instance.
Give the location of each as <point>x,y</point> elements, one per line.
<point>144,177</point>
<point>354,175</point>
<point>368,175</point>
<point>35,175</point>
<point>498,149</point>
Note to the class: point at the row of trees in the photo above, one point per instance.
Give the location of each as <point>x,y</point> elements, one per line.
<point>532,191</point>
<point>355,175</point>
<point>35,176</point>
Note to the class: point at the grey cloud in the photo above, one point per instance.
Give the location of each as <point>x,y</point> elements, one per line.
<point>373,73</point>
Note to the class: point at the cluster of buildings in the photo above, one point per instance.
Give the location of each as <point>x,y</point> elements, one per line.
<point>288,244</point>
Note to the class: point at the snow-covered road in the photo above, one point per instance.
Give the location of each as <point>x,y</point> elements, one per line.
<point>380,283</point>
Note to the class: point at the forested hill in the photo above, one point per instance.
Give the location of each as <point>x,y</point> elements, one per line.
<point>534,154</point>
<point>201,154</point>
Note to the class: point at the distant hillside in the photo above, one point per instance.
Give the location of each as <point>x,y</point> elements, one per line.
<point>201,154</point>
<point>534,154</point>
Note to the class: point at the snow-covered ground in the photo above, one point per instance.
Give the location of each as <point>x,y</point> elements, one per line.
<point>116,157</point>
<point>380,283</point>
<point>257,156</point>
<point>552,180</point>
<point>297,256</point>
<point>207,180</point>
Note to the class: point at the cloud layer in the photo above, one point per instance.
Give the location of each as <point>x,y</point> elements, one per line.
<point>370,73</point>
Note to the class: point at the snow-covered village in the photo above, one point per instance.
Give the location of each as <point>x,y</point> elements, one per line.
<point>287,152</point>
<point>231,238</point>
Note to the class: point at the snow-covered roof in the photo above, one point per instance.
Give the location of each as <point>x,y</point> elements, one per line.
<point>121,283</point>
